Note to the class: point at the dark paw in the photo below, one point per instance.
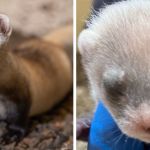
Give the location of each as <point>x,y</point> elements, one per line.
<point>14,134</point>
<point>83,127</point>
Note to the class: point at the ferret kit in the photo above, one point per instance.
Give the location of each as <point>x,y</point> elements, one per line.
<point>115,50</point>
<point>34,77</point>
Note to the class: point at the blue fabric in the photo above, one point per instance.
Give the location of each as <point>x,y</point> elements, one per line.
<point>105,134</point>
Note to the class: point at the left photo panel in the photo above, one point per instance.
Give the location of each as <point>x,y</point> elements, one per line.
<point>36,75</point>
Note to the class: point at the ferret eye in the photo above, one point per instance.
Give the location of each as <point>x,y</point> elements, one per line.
<point>114,82</point>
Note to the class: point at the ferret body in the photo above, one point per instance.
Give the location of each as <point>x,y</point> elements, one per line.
<point>34,77</point>
<point>47,69</point>
<point>115,51</point>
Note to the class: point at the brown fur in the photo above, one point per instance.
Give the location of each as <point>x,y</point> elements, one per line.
<point>34,77</point>
<point>39,70</point>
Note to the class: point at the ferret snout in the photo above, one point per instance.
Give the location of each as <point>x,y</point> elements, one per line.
<point>137,122</point>
<point>144,118</point>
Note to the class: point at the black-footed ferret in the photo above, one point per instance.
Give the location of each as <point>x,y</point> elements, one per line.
<point>34,77</point>
<point>115,51</point>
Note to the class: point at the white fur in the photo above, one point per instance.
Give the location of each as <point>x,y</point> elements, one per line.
<point>120,35</point>
<point>87,40</point>
<point>111,19</point>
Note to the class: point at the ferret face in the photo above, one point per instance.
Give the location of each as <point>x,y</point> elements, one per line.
<point>115,53</point>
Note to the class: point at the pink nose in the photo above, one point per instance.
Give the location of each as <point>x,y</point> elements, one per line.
<point>146,128</point>
<point>142,117</point>
<point>144,124</point>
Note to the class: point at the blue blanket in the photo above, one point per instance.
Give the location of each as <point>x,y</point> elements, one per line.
<point>105,134</point>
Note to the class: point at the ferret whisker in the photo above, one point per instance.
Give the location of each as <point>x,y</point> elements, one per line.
<point>115,131</point>
<point>85,124</point>
<point>125,142</point>
<point>119,138</point>
<point>115,138</point>
<point>133,144</point>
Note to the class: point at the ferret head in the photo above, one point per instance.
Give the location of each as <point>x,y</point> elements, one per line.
<point>115,53</point>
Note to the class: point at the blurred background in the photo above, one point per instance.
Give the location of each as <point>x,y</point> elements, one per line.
<point>85,104</point>
<point>35,18</point>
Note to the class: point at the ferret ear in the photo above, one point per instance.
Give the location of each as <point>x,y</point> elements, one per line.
<point>87,40</point>
<point>5,29</point>
<point>114,81</point>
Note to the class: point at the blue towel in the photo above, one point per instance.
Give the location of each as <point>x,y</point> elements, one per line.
<point>105,134</point>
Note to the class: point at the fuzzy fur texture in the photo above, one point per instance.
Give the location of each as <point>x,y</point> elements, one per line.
<point>34,77</point>
<point>117,40</point>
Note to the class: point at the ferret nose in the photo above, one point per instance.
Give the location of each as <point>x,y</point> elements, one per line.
<point>145,124</point>
<point>143,117</point>
<point>147,130</point>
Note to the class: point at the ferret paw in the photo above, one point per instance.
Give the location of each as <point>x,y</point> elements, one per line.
<point>83,127</point>
<point>14,134</point>
<point>5,29</point>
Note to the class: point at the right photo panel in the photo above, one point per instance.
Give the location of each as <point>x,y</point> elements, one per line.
<point>84,101</point>
<point>113,74</point>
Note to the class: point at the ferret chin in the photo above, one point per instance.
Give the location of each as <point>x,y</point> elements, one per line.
<point>34,77</point>
<point>115,51</point>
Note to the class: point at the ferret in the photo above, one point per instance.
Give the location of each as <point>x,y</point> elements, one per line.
<point>34,76</point>
<point>115,50</point>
